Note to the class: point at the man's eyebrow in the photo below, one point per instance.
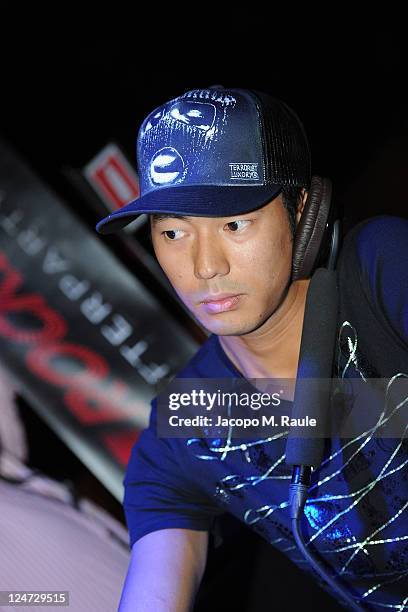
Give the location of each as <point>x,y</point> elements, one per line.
<point>156,218</point>
<point>159,217</point>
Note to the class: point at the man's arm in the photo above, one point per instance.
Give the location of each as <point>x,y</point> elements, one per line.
<point>165,571</point>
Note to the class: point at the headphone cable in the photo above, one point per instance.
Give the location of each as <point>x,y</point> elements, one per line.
<point>298,491</point>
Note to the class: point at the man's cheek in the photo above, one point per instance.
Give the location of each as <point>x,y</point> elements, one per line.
<point>183,295</point>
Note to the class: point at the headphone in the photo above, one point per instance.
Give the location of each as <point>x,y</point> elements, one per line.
<point>315,252</point>
<point>318,234</point>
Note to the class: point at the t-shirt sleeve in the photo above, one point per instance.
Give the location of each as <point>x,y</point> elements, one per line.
<point>374,269</point>
<point>158,493</point>
<point>383,253</point>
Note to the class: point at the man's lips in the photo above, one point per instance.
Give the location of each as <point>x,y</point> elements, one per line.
<point>217,297</point>
<point>222,304</point>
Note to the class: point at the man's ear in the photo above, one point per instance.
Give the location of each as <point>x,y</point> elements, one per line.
<point>301,204</point>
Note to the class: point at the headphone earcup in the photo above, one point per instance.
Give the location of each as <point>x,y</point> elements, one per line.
<point>310,231</point>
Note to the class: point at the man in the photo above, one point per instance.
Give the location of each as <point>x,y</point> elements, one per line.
<point>225,177</point>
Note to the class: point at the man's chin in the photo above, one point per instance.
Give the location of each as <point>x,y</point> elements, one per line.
<point>224,328</point>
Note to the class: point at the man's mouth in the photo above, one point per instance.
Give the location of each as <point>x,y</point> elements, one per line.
<point>218,297</point>
<point>221,302</point>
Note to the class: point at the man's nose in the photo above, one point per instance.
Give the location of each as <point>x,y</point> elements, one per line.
<point>209,259</point>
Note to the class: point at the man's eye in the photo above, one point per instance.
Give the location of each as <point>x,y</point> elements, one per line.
<point>236,223</point>
<point>173,233</point>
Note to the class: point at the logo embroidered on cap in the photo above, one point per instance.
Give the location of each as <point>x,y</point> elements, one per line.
<point>166,167</point>
<point>244,171</point>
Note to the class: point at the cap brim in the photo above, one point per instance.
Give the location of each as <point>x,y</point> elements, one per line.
<point>199,200</point>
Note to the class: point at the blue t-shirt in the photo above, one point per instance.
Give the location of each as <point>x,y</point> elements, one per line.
<point>355,517</point>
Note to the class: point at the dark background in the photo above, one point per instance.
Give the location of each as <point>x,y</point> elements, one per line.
<point>70,83</point>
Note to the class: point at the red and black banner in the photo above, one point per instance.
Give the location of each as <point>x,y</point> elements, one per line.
<point>86,340</point>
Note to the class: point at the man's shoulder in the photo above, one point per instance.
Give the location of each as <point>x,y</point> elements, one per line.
<point>208,362</point>
<point>373,250</point>
<point>379,234</point>
<point>204,363</point>
<point>373,288</point>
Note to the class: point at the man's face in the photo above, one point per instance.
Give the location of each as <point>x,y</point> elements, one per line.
<point>248,254</point>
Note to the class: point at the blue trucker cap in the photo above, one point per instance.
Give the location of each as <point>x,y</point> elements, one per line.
<point>215,152</point>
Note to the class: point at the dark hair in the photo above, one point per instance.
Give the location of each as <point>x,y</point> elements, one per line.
<point>291,197</point>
